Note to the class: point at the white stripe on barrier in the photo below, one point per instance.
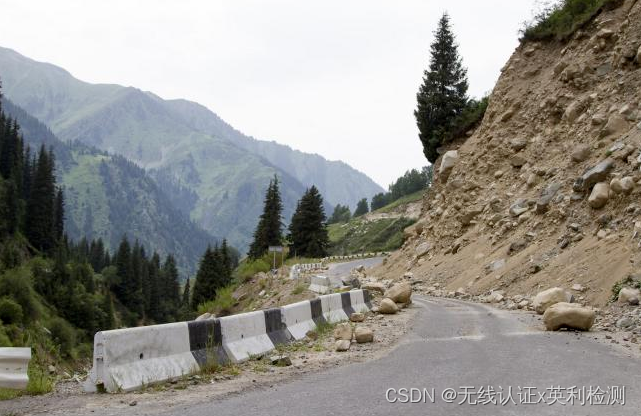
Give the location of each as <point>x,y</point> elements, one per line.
<point>245,335</point>
<point>333,308</point>
<point>298,318</point>
<point>125,359</point>
<point>14,363</point>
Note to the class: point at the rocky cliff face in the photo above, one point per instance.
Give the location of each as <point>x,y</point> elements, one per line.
<point>547,190</point>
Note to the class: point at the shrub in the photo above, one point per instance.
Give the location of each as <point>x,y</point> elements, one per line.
<point>10,311</point>
<point>223,303</point>
<point>561,20</point>
<point>63,335</point>
<point>248,268</point>
<point>16,284</point>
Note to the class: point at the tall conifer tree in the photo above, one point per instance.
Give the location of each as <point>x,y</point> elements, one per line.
<point>269,231</point>
<point>443,95</point>
<point>308,228</point>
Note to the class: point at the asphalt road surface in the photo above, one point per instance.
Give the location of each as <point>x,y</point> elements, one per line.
<point>471,349</point>
<point>338,270</point>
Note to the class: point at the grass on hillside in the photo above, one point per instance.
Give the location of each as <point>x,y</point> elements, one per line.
<point>560,21</point>
<point>358,236</point>
<point>416,196</point>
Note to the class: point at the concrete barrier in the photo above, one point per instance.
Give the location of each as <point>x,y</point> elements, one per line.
<point>126,359</point>
<point>14,365</point>
<point>320,284</point>
<point>299,319</point>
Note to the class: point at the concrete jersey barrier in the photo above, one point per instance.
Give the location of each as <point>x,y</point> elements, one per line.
<point>14,365</point>
<point>126,359</point>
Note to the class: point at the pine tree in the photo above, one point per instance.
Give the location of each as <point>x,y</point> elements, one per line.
<point>341,214</point>
<point>308,229</point>
<point>59,215</point>
<point>226,266</point>
<point>269,231</point>
<point>170,297</point>
<point>205,285</point>
<point>39,225</point>
<point>155,311</point>
<point>186,295</point>
<point>361,208</point>
<point>443,95</point>
<point>124,272</point>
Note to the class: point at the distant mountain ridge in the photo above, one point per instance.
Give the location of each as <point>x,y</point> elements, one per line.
<point>181,144</point>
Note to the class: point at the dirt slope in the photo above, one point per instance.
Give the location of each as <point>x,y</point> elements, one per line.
<point>513,212</point>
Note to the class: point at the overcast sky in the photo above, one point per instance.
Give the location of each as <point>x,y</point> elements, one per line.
<point>337,78</point>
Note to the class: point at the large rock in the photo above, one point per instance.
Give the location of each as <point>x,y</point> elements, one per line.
<point>598,173</point>
<point>342,345</point>
<point>448,161</point>
<point>600,195</point>
<point>469,214</point>
<point>343,331</point>
<point>422,249</point>
<point>387,306</point>
<point>580,153</point>
<point>573,111</point>
<point>351,281</point>
<point>616,124</point>
<point>399,293</point>
<point>543,300</point>
<point>568,315</point>
<point>374,287</point>
<point>542,204</point>
<point>357,317</point>
<point>363,334</point>
<point>628,296</point>
<point>519,207</point>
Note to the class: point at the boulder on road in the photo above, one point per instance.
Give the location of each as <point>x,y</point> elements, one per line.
<point>363,334</point>
<point>628,296</point>
<point>568,315</point>
<point>387,306</point>
<point>547,298</point>
<point>342,345</point>
<point>343,331</point>
<point>357,317</point>
<point>399,293</point>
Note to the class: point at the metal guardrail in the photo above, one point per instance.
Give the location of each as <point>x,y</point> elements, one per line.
<point>14,363</point>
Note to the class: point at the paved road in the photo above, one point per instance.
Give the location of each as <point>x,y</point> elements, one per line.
<point>453,344</point>
<point>338,270</point>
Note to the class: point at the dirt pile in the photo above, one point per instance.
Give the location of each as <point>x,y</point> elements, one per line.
<point>547,190</point>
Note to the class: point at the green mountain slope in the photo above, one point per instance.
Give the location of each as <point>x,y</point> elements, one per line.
<point>182,144</point>
<point>107,196</point>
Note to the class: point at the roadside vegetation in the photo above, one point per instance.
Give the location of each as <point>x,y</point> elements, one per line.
<point>359,235</point>
<point>562,19</point>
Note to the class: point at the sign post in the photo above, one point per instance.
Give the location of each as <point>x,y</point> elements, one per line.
<point>275,249</point>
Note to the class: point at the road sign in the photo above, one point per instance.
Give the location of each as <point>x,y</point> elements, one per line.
<point>276,249</point>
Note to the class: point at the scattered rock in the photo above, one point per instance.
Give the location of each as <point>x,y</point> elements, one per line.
<point>399,293</point>
<point>598,173</point>
<point>568,315</point>
<point>363,334</point>
<point>312,334</point>
<point>517,161</point>
<point>600,195</point>
<point>518,144</point>
<point>448,161</point>
<point>470,214</point>
<point>517,246</point>
<point>357,317</point>
<point>580,153</point>
<point>495,265</point>
<point>351,281</point>
<point>204,316</point>
<point>51,369</point>
<point>422,249</point>
<point>625,322</point>
<point>280,360</point>
<point>343,331</point>
<point>616,124</point>
<point>577,287</point>
<point>374,287</point>
<point>542,204</point>
<point>543,300</point>
<point>628,296</point>
<point>387,306</point>
<point>519,207</point>
<point>342,345</point>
